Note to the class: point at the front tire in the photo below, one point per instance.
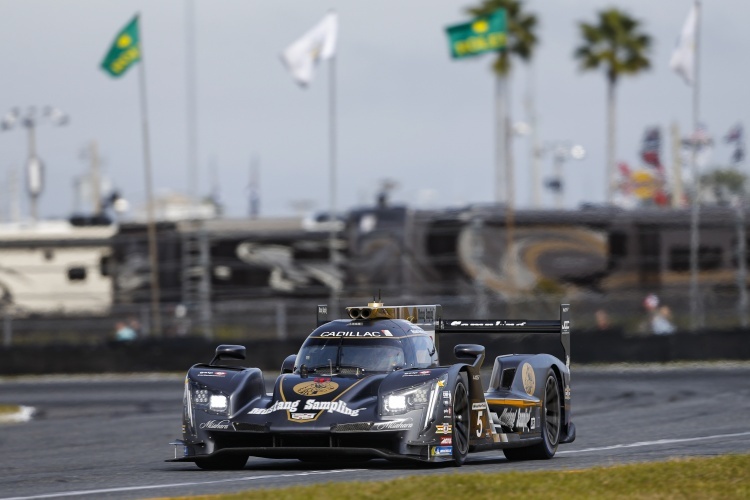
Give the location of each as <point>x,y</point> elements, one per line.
<point>551,420</point>
<point>226,462</point>
<point>461,422</point>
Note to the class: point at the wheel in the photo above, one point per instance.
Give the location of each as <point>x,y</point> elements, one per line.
<point>226,462</point>
<point>551,418</point>
<point>461,421</point>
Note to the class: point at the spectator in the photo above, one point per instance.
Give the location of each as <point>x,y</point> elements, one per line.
<point>602,320</point>
<point>661,323</point>
<point>124,333</point>
<point>181,320</point>
<point>650,304</point>
<point>135,325</point>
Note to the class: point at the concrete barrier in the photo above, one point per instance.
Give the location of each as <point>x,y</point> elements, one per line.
<point>177,355</point>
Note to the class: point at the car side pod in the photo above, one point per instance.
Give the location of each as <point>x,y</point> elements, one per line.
<point>473,352</point>
<point>228,351</point>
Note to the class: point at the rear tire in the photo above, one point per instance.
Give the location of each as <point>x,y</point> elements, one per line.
<point>460,421</point>
<point>226,462</point>
<point>551,421</point>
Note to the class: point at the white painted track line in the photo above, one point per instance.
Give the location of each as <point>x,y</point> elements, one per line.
<point>174,485</point>
<point>654,443</point>
<point>640,444</point>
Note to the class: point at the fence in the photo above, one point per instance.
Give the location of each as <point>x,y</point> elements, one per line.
<point>294,318</point>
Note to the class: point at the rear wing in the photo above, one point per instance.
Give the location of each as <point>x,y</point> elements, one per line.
<point>429,318</point>
<point>561,327</point>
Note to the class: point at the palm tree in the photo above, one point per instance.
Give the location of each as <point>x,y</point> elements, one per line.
<point>521,37</point>
<point>725,184</point>
<point>616,44</point>
<point>521,42</point>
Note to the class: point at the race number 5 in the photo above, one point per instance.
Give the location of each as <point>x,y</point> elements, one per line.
<point>479,424</point>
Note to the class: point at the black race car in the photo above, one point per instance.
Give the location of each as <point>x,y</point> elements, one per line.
<point>371,387</point>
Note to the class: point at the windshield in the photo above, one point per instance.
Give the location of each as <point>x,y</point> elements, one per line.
<point>371,355</point>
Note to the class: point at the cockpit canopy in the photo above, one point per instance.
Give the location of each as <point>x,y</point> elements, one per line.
<point>362,347</point>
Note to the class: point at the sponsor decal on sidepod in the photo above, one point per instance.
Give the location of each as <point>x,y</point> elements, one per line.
<point>443,428</point>
<point>518,419</point>
<point>529,380</point>
<point>441,451</point>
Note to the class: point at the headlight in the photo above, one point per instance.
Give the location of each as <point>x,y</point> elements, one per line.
<point>403,401</point>
<point>200,397</point>
<point>412,398</point>
<point>218,402</point>
<point>209,400</point>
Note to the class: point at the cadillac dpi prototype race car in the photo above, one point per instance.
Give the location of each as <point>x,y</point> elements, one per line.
<point>371,387</point>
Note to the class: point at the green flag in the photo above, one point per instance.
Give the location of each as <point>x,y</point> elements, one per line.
<point>484,34</point>
<point>125,50</point>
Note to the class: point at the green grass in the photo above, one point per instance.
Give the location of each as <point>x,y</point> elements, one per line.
<point>8,409</point>
<point>722,477</point>
<point>5,409</point>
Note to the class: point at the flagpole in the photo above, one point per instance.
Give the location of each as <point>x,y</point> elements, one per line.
<point>510,202</point>
<point>192,122</point>
<point>695,206</point>
<point>677,188</point>
<point>333,219</point>
<point>153,252</point>
<point>500,134</point>
<point>742,261</point>
<point>536,184</point>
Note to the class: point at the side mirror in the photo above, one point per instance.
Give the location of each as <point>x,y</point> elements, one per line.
<point>470,351</point>
<point>288,365</point>
<point>227,351</point>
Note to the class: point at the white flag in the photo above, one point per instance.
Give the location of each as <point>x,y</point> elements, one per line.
<point>683,57</point>
<point>319,43</point>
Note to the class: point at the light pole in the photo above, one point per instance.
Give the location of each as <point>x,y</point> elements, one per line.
<point>34,167</point>
<point>561,152</point>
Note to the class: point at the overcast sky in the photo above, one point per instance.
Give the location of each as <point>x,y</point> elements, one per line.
<point>406,111</point>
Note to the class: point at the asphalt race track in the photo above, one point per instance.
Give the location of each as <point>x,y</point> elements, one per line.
<point>107,436</point>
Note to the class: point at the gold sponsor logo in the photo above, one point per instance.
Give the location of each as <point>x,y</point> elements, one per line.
<point>315,388</point>
<point>443,428</point>
<point>529,380</point>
